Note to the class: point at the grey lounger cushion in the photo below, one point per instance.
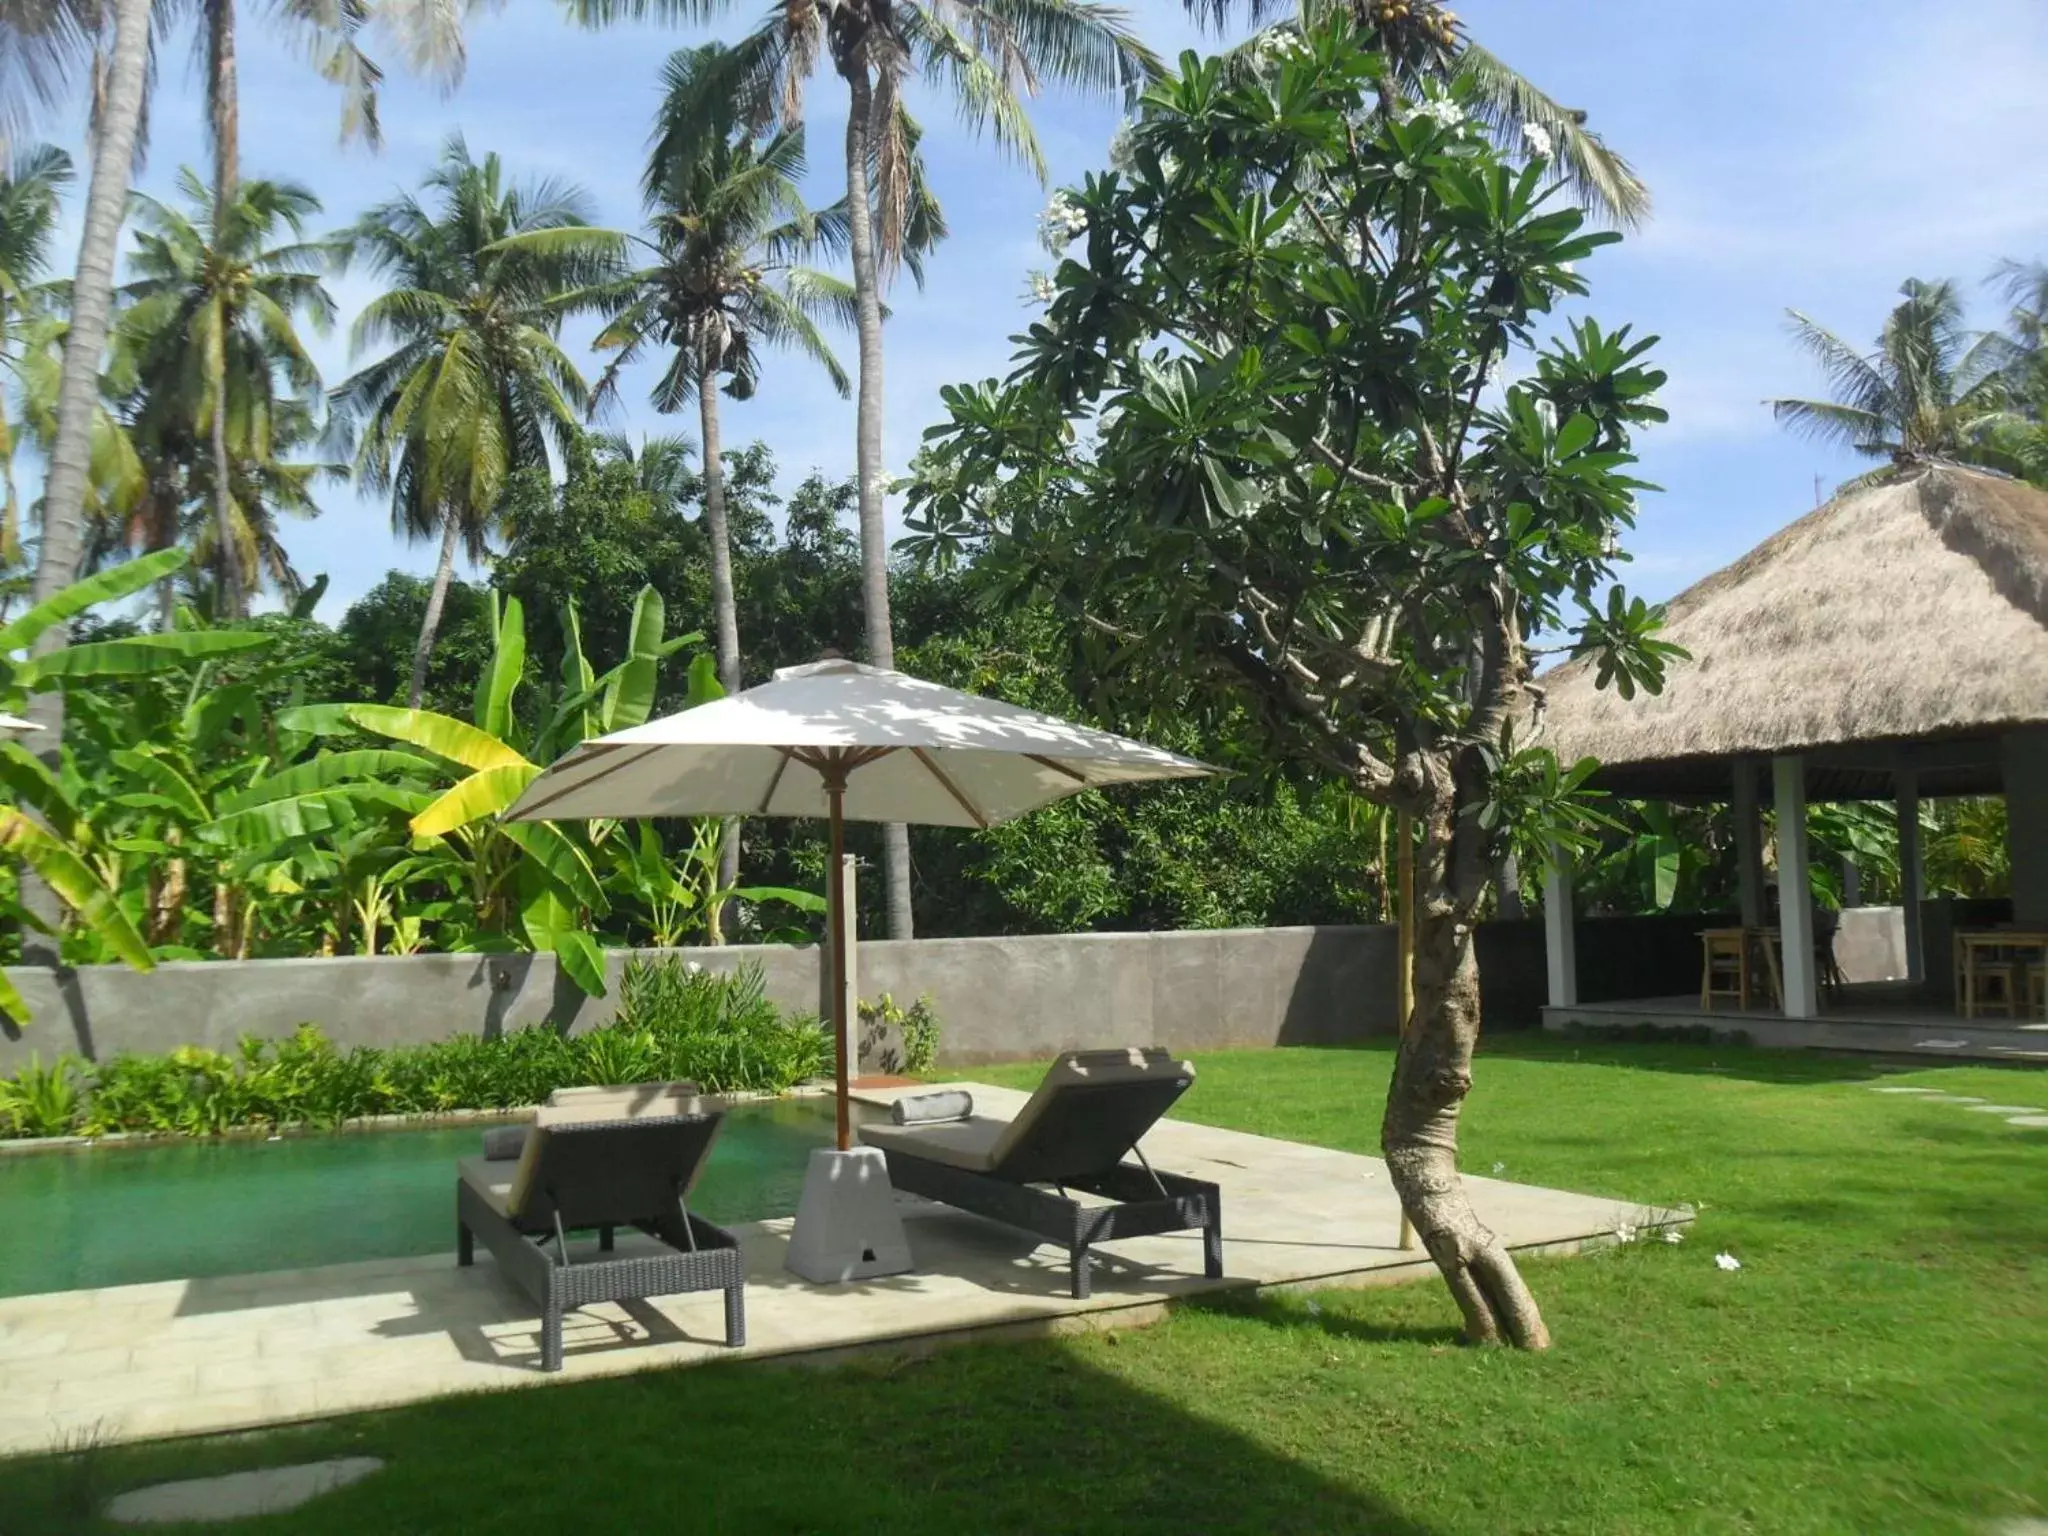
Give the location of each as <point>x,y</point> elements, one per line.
<point>504,1142</point>
<point>980,1144</point>
<point>490,1177</point>
<point>931,1108</point>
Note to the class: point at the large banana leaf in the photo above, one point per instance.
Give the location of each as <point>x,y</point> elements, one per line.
<point>75,884</point>
<point>12,1003</point>
<point>24,776</point>
<point>325,795</point>
<point>629,698</point>
<point>550,924</point>
<point>553,851</point>
<point>476,797</point>
<point>117,582</point>
<point>136,656</point>
<point>164,779</point>
<point>501,678</point>
<point>442,735</point>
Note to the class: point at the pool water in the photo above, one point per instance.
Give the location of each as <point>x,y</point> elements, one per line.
<point>186,1210</point>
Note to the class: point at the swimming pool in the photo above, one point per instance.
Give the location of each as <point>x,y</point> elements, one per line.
<point>185,1210</point>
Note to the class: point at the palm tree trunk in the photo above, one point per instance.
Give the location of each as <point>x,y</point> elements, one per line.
<point>451,532</point>
<point>725,615</point>
<point>92,293</point>
<point>874,551</point>
<point>224,110</point>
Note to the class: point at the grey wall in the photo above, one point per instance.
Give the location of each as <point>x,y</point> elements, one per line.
<point>996,997</point>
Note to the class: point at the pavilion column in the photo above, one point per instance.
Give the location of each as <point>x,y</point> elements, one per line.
<point>1912,872</point>
<point>1749,845</point>
<point>2023,761</point>
<point>1795,893</point>
<point>1560,931</point>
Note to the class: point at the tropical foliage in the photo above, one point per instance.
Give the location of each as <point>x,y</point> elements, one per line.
<point>719,1031</point>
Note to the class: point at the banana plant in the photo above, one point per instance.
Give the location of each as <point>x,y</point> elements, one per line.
<point>527,881</point>
<point>675,897</point>
<point>42,826</point>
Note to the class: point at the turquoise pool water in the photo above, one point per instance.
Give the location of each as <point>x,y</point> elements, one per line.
<point>185,1210</point>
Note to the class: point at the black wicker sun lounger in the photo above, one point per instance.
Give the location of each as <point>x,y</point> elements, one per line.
<point>1074,1134</point>
<point>601,1161</point>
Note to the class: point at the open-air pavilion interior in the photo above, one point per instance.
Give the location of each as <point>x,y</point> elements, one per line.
<point>1889,646</point>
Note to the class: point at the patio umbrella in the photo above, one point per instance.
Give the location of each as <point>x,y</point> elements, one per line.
<point>848,743</point>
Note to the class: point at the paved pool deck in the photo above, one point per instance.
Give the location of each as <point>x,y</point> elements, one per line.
<point>198,1356</point>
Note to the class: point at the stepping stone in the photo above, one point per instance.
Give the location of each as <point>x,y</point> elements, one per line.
<point>2036,1122</point>
<point>2004,1109</point>
<point>240,1494</point>
<point>1882,1088</point>
<point>1951,1098</point>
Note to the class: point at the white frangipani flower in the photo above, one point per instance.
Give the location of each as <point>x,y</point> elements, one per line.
<point>1442,111</point>
<point>1042,288</point>
<point>1062,220</point>
<point>1727,1261</point>
<point>1404,172</point>
<point>1537,137</point>
<point>1674,1234</point>
<point>1624,1232</point>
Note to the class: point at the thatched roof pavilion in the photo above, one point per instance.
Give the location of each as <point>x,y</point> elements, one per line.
<point>1915,611</point>
<point>1892,644</point>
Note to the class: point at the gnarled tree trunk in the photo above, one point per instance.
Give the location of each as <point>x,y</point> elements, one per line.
<point>1432,1075</point>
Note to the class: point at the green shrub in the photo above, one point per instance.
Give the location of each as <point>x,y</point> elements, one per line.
<point>675,1021</point>
<point>917,1026</point>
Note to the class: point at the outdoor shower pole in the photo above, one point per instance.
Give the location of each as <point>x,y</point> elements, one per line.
<point>834,774</point>
<point>1404,918</point>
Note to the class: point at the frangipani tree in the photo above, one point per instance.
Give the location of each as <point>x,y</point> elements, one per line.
<point>1261,441</point>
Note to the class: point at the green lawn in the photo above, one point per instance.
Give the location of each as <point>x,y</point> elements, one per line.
<point>1879,1363</point>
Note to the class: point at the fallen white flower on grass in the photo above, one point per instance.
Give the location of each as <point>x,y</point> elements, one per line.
<point>1624,1233</point>
<point>1674,1234</point>
<point>1727,1261</point>
<point>1500,1167</point>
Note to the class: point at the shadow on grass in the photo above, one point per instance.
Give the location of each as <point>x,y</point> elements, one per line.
<point>1302,1313</point>
<point>972,1439</point>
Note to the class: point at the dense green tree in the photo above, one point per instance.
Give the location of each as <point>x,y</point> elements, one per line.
<point>1253,443</point>
<point>379,630</point>
<point>476,384</point>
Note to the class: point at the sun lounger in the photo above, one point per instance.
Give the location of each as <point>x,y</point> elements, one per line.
<point>1084,1120</point>
<point>601,1161</point>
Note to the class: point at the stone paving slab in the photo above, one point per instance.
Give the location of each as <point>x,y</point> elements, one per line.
<point>242,1351</point>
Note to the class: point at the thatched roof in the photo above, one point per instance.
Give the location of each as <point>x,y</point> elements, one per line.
<point>1910,611</point>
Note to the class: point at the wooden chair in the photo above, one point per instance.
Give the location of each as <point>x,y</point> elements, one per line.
<point>1724,967</point>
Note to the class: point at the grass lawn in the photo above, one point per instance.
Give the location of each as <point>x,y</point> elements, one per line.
<point>1879,1362</point>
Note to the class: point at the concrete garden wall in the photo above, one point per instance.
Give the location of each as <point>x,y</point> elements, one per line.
<point>996,997</point>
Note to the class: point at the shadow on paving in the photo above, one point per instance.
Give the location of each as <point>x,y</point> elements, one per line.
<point>983,1439</point>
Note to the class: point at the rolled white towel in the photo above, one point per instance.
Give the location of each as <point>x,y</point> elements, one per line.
<point>931,1108</point>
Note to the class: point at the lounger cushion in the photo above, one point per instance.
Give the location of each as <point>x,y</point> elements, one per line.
<point>932,1108</point>
<point>635,1101</point>
<point>502,1143</point>
<point>968,1144</point>
<point>489,1177</point>
<point>1080,1067</point>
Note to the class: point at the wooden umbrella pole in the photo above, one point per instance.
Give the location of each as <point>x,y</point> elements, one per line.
<point>835,900</point>
<point>1405,960</point>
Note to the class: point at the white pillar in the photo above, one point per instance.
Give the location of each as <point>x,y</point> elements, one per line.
<point>2023,758</point>
<point>1912,871</point>
<point>1560,931</point>
<point>1795,893</point>
<point>1749,845</point>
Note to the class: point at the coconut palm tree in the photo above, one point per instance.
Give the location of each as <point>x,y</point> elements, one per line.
<point>728,226</point>
<point>30,187</point>
<point>1917,396</point>
<point>208,349</point>
<point>476,384</point>
<point>2013,434</point>
<point>990,55</point>
<point>660,464</point>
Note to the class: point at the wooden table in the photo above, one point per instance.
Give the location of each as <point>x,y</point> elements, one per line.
<point>1987,944</point>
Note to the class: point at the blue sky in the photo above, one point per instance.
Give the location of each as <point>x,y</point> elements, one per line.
<point>1810,155</point>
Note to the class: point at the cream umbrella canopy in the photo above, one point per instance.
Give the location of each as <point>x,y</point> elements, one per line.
<point>845,742</point>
